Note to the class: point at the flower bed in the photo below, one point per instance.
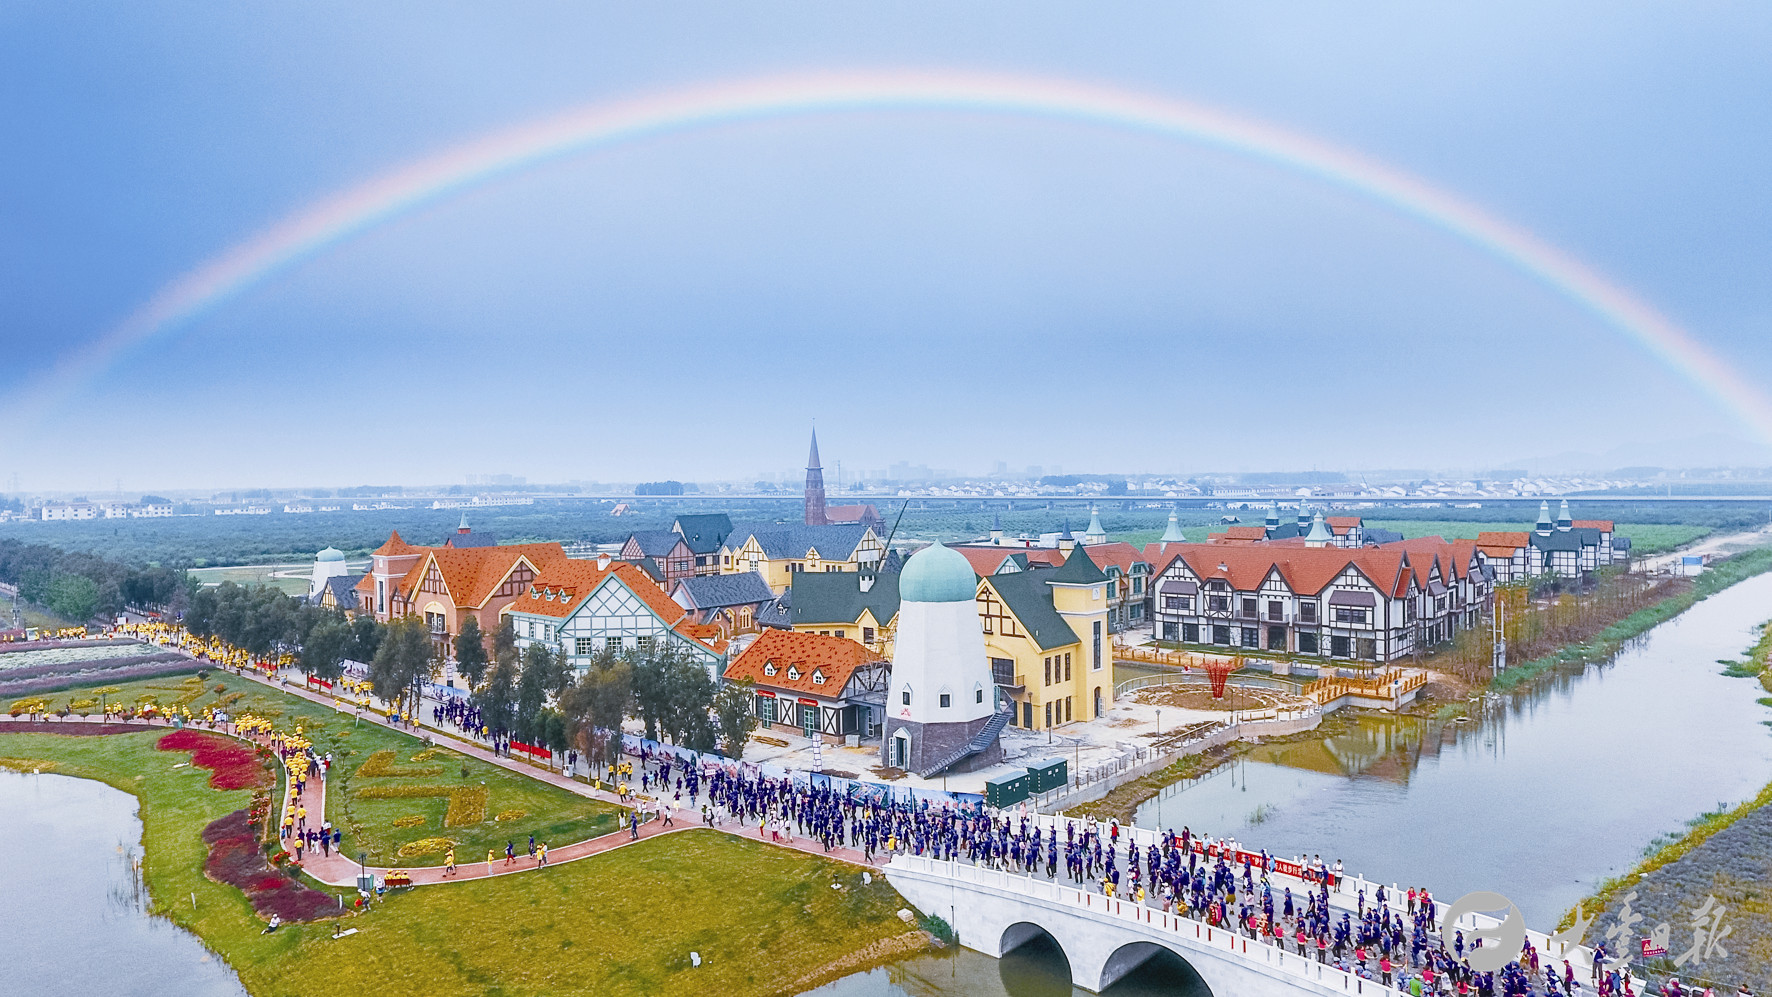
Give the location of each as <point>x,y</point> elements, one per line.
<point>381,765</point>
<point>232,764</point>
<point>467,804</point>
<point>234,859</point>
<point>44,678</point>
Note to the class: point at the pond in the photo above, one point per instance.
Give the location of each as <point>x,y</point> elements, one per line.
<point>73,909</point>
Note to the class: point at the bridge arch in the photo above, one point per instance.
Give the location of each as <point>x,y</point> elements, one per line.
<point>1023,933</point>
<point>1133,955</point>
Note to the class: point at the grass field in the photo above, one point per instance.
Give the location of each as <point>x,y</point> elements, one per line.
<point>762,918</point>
<point>259,574</point>
<point>354,803</point>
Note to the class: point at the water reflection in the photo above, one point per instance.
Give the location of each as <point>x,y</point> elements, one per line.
<point>1542,795</point>
<point>73,907</point>
<point>1036,969</point>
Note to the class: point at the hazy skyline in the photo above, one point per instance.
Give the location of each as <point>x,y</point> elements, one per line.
<point>948,289</point>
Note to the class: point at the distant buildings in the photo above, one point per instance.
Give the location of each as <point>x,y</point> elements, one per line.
<point>1563,548</point>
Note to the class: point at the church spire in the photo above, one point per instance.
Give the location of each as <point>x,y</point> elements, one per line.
<point>815,505</point>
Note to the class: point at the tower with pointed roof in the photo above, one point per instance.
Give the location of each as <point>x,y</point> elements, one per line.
<point>997,528</point>
<point>1564,523</point>
<point>1065,540</point>
<point>1319,536</point>
<point>1273,516</point>
<point>1094,534</point>
<point>1543,527</point>
<point>815,504</point>
<point>1172,533</point>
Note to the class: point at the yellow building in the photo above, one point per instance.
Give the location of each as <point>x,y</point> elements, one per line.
<point>1046,632</point>
<point>860,606</point>
<point>778,553</point>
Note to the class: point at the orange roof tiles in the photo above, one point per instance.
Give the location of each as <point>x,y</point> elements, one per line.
<point>578,579</point>
<point>986,560</point>
<point>1239,535</point>
<point>1307,570</point>
<point>836,658</point>
<point>1120,554</point>
<point>472,574</point>
<point>1594,524</point>
<point>1510,539</point>
<point>1341,524</point>
<point>395,546</point>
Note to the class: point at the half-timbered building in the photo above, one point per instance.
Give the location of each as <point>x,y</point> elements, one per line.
<point>814,685</point>
<point>579,609</point>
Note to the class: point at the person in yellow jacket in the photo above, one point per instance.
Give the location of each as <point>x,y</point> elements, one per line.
<point>449,863</point>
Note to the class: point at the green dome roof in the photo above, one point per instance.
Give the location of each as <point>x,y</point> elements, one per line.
<point>331,554</point>
<point>937,574</point>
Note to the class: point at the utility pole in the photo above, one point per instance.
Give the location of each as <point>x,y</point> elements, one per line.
<point>1498,633</point>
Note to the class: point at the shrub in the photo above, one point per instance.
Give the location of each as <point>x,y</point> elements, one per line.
<point>425,846</point>
<point>412,821</point>
<point>234,860</point>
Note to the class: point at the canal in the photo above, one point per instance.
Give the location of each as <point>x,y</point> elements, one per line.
<point>73,908</point>
<point>1540,795</point>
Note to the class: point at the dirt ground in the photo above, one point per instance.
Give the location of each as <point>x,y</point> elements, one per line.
<point>1199,697</point>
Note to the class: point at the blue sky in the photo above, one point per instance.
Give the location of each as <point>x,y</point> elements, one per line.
<point>948,289</point>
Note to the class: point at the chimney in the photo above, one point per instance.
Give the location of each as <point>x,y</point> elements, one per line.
<point>602,561</point>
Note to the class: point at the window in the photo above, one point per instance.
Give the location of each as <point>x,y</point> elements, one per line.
<point>1027,715</point>
<point>1276,610</point>
<point>1307,612</point>
<point>1049,671</point>
<point>867,635</point>
<point>842,633</point>
<point>1249,608</point>
<point>1190,633</point>
<point>1172,602</point>
<point>1276,638</point>
<point>1344,614</point>
<point>1218,603</point>
<point>1307,643</point>
<point>1171,631</point>
<point>547,631</point>
<point>818,678</point>
<point>1440,604</point>
<point>434,621</point>
<point>793,672</point>
<point>1048,714</point>
<point>1096,666</point>
<point>1221,634</point>
<point>583,645</point>
<point>766,709</point>
<point>1067,666</point>
<point>946,700</point>
<point>769,668</point>
<point>1251,637</point>
<point>1137,586</point>
<point>1339,646</point>
<point>1366,647</point>
<point>643,642</point>
<point>1067,709</point>
<point>905,697</point>
<point>1113,588</point>
<point>1408,610</point>
<point>978,694</point>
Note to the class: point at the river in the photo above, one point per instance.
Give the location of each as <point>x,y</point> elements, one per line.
<point>73,909</point>
<point>1540,796</point>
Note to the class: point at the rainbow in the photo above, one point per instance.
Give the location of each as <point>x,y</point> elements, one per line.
<point>315,228</point>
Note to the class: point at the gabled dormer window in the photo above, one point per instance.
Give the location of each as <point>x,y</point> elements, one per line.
<point>818,678</point>
<point>769,668</point>
<point>794,672</point>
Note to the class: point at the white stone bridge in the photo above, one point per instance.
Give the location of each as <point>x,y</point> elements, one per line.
<point>995,912</point>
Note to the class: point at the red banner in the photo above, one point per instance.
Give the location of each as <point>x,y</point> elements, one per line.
<point>530,749</point>
<point>322,683</point>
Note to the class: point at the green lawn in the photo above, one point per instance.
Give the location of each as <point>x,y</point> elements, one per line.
<point>259,574</point>
<point>761,917</point>
<point>553,815</point>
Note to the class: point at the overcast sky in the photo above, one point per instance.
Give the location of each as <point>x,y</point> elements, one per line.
<point>941,288</point>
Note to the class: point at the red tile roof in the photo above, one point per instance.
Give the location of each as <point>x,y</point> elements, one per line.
<point>1594,524</point>
<point>472,574</point>
<point>1341,524</point>
<point>1307,570</point>
<point>1122,555</point>
<point>396,546</point>
<point>1510,539</point>
<point>578,579</point>
<point>836,657</point>
<point>1240,534</point>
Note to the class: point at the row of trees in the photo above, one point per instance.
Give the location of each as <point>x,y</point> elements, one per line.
<point>1538,617</point>
<point>533,696</point>
<point>80,586</point>
<point>265,622</point>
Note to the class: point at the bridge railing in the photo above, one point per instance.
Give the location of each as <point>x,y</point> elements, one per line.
<point>1344,891</point>
<point>1296,968</point>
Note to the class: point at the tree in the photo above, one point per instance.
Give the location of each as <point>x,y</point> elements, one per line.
<point>366,635</point>
<point>470,652</point>
<point>323,650</point>
<point>596,704</point>
<point>497,698</point>
<point>673,694</point>
<point>403,661</point>
<point>533,685</point>
<point>551,731</point>
<point>733,709</point>
<point>73,596</point>
<point>504,642</point>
